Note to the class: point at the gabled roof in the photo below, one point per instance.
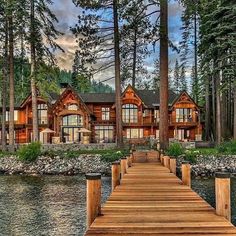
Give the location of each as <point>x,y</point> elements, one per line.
<point>184,93</point>
<point>70,89</point>
<point>98,97</point>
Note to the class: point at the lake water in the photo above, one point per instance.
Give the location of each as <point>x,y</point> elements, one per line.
<point>55,205</point>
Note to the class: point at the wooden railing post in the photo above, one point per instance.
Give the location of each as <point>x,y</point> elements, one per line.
<point>167,161</point>
<point>222,194</point>
<point>129,161</point>
<point>93,197</point>
<point>173,165</point>
<point>186,173</point>
<point>123,166</point>
<point>115,170</point>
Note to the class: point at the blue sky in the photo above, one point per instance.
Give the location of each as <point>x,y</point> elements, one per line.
<point>67,15</point>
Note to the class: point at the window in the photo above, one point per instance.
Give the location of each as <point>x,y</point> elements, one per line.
<point>157,134</point>
<point>182,134</point>
<point>134,133</point>
<point>72,107</point>
<point>15,115</point>
<point>157,115</point>
<point>183,115</point>
<point>72,120</point>
<point>105,113</point>
<point>146,113</point>
<point>130,113</point>
<point>104,134</point>
<point>42,114</point>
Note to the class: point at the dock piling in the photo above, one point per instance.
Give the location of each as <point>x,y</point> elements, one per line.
<point>115,170</point>
<point>222,194</point>
<point>166,161</point>
<point>123,166</point>
<point>173,165</point>
<point>93,197</point>
<point>186,173</point>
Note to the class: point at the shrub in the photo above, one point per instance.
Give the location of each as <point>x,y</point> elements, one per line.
<point>29,153</point>
<point>175,149</point>
<point>113,156</point>
<point>227,147</point>
<point>191,156</point>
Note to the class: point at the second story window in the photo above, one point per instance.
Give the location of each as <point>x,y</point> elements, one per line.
<point>42,114</point>
<point>184,115</point>
<point>130,113</point>
<point>105,113</point>
<point>157,115</point>
<point>8,116</point>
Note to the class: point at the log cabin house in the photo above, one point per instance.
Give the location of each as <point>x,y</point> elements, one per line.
<point>66,113</point>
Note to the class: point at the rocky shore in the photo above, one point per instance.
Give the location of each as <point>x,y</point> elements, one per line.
<point>57,165</point>
<point>204,166</point>
<point>207,166</point>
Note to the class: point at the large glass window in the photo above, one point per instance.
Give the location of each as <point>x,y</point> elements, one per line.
<point>105,113</point>
<point>104,134</point>
<point>130,113</point>
<point>15,115</point>
<point>71,134</point>
<point>72,120</point>
<point>183,115</point>
<point>134,133</point>
<point>42,114</point>
<point>182,134</point>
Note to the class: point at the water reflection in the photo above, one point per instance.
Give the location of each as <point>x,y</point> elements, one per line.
<point>55,205</point>
<point>52,205</point>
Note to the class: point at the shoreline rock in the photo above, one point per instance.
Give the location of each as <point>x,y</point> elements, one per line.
<point>204,167</point>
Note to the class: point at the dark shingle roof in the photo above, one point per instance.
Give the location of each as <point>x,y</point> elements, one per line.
<point>152,97</point>
<point>149,97</point>
<point>98,97</point>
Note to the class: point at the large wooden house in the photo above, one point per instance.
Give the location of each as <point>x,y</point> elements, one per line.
<point>66,113</point>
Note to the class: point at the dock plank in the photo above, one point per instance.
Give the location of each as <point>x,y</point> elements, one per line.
<point>152,201</point>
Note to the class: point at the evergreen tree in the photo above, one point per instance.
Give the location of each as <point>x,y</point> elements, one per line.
<point>177,78</point>
<point>183,82</point>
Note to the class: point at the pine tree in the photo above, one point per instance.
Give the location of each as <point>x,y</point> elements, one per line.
<point>183,81</point>
<point>176,79</point>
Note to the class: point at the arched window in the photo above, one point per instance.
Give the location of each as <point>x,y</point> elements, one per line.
<point>72,120</point>
<point>130,113</point>
<point>72,107</point>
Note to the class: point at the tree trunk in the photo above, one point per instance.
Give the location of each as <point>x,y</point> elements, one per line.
<point>119,133</point>
<point>32,76</point>
<point>207,111</point>
<point>134,58</point>
<point>218,111</point>
<point>195,57</point>
<point>4,87</point>
<point>164,117</point>
<point>11,82</point>
<point>213,108</point>
<point>234,111</point>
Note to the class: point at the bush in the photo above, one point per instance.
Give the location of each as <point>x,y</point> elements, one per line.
<point>227,147</point>
<point>29,153</point>
<point>191,156</point>
<point>175,149</point>
<point>113,156</point>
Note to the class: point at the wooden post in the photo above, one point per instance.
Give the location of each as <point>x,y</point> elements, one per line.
<point>167,161</point>
<point>173,165</point>
<point>161,158</point>
<point>129,161</point>
<point>123,166</point>
<point>222,193</point>
<point>186,173</point>
<point>93,197</point>
<point>115,170</point>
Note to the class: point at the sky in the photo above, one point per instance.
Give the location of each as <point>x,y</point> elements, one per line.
<point>67,13</point>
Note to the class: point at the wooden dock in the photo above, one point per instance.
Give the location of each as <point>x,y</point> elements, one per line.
<point>152,201</point>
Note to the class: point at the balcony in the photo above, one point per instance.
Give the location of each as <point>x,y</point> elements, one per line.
<point>41,121</point>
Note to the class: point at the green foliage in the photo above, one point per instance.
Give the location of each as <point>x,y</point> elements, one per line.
<point>227,148</point>
<point>29,153</point>
<point>113,156</point>
<point>175,149</point>
<point>191,156</point>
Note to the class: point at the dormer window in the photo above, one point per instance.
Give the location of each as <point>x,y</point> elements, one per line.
<point>72,107</point>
